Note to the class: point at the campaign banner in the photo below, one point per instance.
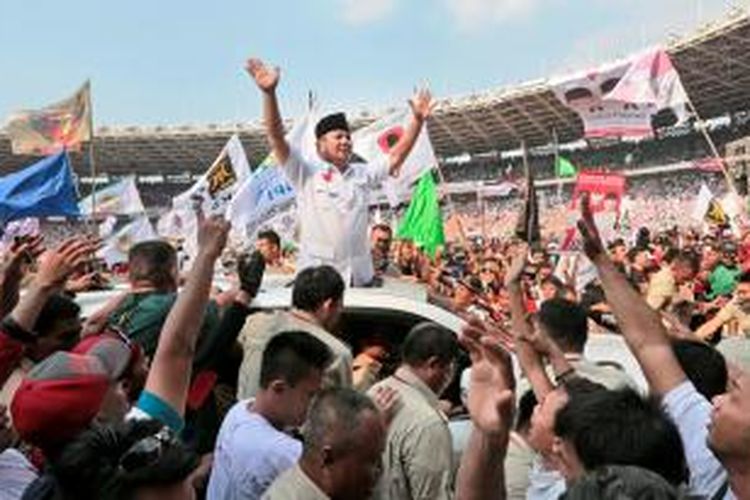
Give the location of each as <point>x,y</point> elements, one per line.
<point>585,93</point>
<point>266,192</point>
<point>215,189</point>
<point>606,191</point>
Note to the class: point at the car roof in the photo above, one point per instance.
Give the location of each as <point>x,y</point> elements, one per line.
<point>373,299</point>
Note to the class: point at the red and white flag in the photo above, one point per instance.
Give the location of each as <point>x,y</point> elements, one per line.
<point>652,79</point>
<point>377,139</point>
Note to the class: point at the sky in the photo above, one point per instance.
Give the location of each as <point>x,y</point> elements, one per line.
<point>170,62</point>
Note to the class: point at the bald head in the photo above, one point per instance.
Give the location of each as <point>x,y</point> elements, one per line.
<point>344,441</point>
<point>334,418</point>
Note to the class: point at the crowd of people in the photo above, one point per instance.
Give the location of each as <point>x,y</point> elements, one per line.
<point>180,387</point>
<point>660,202</point>
<point>193,394</point>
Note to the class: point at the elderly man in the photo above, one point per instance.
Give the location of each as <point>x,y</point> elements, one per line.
<point>332,191</point>
<point>341,457</point>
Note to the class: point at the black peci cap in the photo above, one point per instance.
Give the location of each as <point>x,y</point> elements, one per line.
<point>336,121</point>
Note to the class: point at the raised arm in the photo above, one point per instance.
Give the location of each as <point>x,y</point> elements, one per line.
<point>640,325</point>
<point>490,404</point>
<point>267,78</point>
<point>421,107</point>
<point>528,358</point>
<point>170,372</point>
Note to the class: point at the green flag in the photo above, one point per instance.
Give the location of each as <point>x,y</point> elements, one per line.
<point>423,222</point>
<point>563,168</point>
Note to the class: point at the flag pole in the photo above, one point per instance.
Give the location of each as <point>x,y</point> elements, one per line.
<point>557,165</point>
<point>482,203</point>
<point>712,145</point>
<point>526,173</point>
<point>92,161</point>
<point>451,205</point>
<point>310,100</point>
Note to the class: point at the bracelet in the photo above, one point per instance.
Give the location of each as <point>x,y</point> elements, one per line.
<point>15,331</point>
<point>565,375</point>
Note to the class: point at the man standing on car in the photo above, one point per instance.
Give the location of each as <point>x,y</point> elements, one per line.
<point>332,193</point>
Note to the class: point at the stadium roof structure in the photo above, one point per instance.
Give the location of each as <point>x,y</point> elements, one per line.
<point>714,65</point>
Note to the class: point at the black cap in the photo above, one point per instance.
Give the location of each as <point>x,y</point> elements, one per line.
<point>336,121</point>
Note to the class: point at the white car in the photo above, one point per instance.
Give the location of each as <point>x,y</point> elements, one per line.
<point>392,311</point>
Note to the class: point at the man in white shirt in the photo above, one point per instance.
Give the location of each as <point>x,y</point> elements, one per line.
<point>252,448</point>
<point>332,193</point>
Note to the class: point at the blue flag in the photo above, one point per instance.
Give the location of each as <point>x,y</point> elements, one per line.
<point>40,190</point>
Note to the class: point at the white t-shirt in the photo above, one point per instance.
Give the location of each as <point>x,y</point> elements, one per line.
<point>250,454</point>
<point>16,474</point>
<point>544,483</point>
<point>333,212</point>
<point>691,412</point>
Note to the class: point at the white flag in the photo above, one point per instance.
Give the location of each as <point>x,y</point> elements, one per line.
<point>106,227</point>
<point>171,224</point>
<point>120,198</point>
<point>215,188</point>
<point>377,139</point>
<point>116,248</point>
<point>702,203</point>
<point>268,191</point>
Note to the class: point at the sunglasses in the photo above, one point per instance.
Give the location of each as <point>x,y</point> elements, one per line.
<point>147,451</point>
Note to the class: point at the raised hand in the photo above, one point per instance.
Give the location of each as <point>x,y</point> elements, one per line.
<point>212,235</point>
<point>265,77</point>
<point>12,267</point>
<point>491,400</point>
<point>19,253</point>
<point>422,104</point>
<point>250,271</point>
<point>592,242</point>
<point>537,339</point>
<point>57,265</point>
